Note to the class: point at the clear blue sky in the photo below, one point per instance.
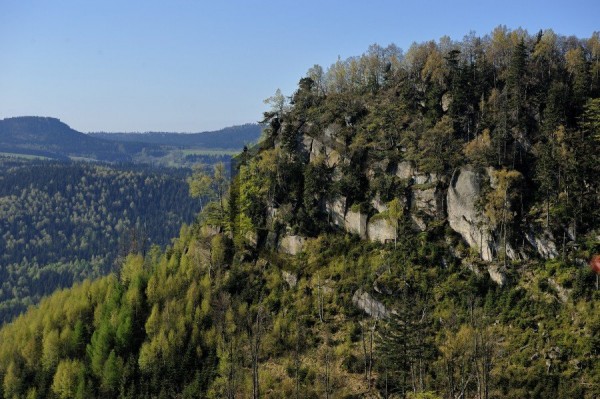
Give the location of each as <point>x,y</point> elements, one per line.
<point>197,65</point>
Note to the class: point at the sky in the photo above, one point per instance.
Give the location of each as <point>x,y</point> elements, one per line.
<point>191,65</point>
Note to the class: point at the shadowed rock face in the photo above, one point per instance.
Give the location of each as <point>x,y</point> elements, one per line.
<point>463,215</point>
<point>337,211</point>
<point>543,243</point>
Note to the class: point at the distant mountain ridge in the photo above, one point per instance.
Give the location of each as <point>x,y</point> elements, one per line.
<point>52,138</point>
<point>234,137</point>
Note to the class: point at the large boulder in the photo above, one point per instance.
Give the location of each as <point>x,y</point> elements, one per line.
<point>380,229</point>
<point>463,215</point>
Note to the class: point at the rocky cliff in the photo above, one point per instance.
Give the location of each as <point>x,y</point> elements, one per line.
<point>427,198</point>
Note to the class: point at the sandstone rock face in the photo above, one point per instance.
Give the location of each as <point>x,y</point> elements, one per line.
<point>332,132</point>
<point>368,304</point>
<point>405,170</point>
<point>463,215</point>
<point>337,211</point>
<point>543,244</point>
<point>378,204</point>
<point>425,200</point>
<point>418,223</point>
<point>317,148</point>
<point>425,193</point>
<point>497,275</point>
<point>350,221</point>
<point>291,245</point>
<point>428,178</point>
<point>380,230</point>
<point>356,222</point>
<point>307,143</point>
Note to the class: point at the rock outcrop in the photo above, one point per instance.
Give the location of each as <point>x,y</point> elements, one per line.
<point>463,215</point>
<point>425,193</point>
<point>337,211</point>
<point>497,275</point>
<point>543,243</point>
<point>405,170</point>
<point>426,199</point>
<point>380,229</point>
<point>349,220</point>
<point>364,301</point>
<point>378,204</point>
<point>316,148</point>
<point>356,222</point>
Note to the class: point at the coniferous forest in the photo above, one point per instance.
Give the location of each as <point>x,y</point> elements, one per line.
<point>413,225</point>
<point>64,222</point>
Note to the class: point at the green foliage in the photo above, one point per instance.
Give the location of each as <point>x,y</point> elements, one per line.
<point>219,313</point>
<point>64,222</point>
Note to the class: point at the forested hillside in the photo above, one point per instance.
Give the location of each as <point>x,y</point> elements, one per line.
<point>42,137</point>
<point>64,222</point>
<point>51,138</point>
<point>229,138</point>
<point>414,225</point>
